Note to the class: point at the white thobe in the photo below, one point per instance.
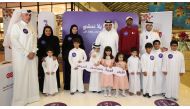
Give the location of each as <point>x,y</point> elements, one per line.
<point>148,66</point>
<point>95,84</point>
<point>133,66</point>
<point>147,37</point>
<point>50,81</point>
<point>76,55</point>
<point>159,81</point>
<point>108,38</point>
<point>173,64</point>
<point>26,87</point>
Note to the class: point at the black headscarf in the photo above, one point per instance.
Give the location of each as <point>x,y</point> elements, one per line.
<point>45,42</point>
<point>68,42</point>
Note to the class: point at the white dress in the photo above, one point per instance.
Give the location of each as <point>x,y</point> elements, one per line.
<point>148,65</point>
<point>76,55</point>
<point>50,81</point>
<point>173,64</point>
<point>26,86</point>
<point>133,65</point>
<point>95,84</point>
<point>159,82</point>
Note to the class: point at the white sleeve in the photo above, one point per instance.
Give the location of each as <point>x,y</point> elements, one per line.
<point>84,56</point>
<point>182,69</point>
<point>70,59</point>
<point>56,65</point>
<point>117,42</point>
<point>15,40</point>
<point>34,42</point>
<point>143,64</point>
<point>164,62</point>
<point>98,39</point>
<point>44,67</point>
<point>139,66</point>
<point>129,66</point>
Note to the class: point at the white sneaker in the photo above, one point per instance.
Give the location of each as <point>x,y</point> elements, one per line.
<point>123,94</point>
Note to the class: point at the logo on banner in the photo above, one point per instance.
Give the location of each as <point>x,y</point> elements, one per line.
<point>25,31</point>
<point>69,38</point>
<point>108,103</point>
<point>146,17</point>
<point>9,75</point>
<point>151,57</point>
<point>74,54</point>
<point>46,22</point>
<point>165,102</point>
<point>56,104</point>
<point>146,37</point>
<point>170,56</point>
<point>160,55</point>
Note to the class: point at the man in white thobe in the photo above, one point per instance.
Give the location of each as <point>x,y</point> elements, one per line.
<point>24,47</point>
<point>173,67</point>
<point>148,36</point>
<point>159,81</point>
<point>108,37</point>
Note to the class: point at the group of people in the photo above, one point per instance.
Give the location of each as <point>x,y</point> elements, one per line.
<point>36,61</point>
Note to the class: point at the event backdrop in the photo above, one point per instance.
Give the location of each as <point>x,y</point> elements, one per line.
<point>162,23</point>
<point>91,23</point>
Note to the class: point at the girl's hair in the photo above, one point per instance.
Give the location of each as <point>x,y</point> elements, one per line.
<point>47,26</point>
<point>117,56</point>
<point>107,48</point>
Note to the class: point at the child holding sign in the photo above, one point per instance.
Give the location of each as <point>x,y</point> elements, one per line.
<point>95,58</point>
<point>120,82</point>
<point>106,78</point>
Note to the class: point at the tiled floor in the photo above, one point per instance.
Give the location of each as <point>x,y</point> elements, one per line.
<point>92,99</point>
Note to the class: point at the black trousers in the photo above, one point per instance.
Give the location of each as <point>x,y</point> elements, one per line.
<point>67,75</point>
<point>41,75</point>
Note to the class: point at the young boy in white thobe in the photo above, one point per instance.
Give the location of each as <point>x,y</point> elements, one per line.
<point>159,81</point>
<point>95,58</point>
<point>173,67</point>
<point>133,66</point>
<point>50,67</point>
<point>148,70</point>
<point>76,55</point>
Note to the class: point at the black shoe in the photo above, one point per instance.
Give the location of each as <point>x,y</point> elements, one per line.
<point>72,93</point>
<point>99,92</point>
<point>83,92</point>
<point>174,99</point>
<point>148,96</point>
<point>144,95</point>
<point>93,91</point>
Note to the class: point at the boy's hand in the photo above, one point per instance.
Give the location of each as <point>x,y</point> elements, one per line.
<point>165,73</point>
<point>75,68</point>
<point>47,73</point>
<point>154,73</point>
<point>145,73</point>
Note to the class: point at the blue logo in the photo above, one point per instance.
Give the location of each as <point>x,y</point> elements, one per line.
<point>160,55</point>
<point>151,57</point>
<point>146,37</point>
<point>69,38</point>
<point>170,56</point>
<point>126,33</point>
<point>43,42</point>
<point>74,54</point>
<point>25,31</point>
